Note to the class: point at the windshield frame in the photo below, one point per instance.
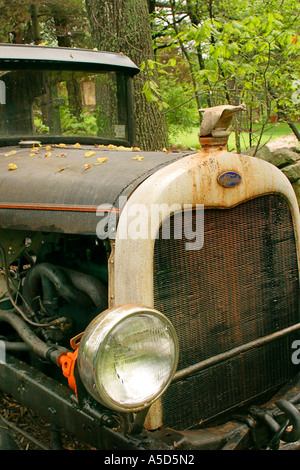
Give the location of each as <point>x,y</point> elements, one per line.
<point>32,58</point>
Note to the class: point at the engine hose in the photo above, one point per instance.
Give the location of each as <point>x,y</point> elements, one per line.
<point>16,347</point>
<point>49,275</point>
<point>46,351</point>
<point>52,281</point>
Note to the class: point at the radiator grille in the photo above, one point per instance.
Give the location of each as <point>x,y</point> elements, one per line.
<point>243,284</point>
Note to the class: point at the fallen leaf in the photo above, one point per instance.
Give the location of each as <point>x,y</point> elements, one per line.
<point>12,166</point>
<point>139,158</point>
<point>122,148</point>
<point>87,166</point>
<point>61,155</point>
<point>62,169</point>
<point>101,160</point>
<point>89,154</point>
<point>77,145</point>
<point>62,145</point>
<point>48,154</point>
<point>10,153</point>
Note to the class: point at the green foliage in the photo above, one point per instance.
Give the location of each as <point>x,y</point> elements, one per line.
<point>40,127</point>
<point>235,52</point>
<point>151,89</point>
<point>189,139</point>
<point>207,52</point>
<point>185,117</point>
<point>65,22</point>
<point>171,92</point>
<point>84,124</point>
<point>87,123</point>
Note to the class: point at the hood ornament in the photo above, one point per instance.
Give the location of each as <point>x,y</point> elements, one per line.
<point>217,119</point>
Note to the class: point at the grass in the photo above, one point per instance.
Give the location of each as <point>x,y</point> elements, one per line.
<point>191,140</point>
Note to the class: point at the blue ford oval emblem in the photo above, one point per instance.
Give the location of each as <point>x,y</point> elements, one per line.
<point>229,179</point>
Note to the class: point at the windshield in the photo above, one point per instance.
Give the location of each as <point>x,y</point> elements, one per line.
<point>63,104</point>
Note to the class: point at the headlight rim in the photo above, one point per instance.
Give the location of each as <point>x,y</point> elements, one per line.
<point>104,323</point>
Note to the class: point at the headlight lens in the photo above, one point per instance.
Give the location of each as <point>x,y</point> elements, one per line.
<point>127,357</point>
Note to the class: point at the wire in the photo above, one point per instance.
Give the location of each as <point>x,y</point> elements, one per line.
<point>17,308</point>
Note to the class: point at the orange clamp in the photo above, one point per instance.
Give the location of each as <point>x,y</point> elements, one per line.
<point>67,363</point>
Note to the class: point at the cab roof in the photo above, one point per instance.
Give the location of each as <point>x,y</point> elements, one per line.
<point>15,56</point>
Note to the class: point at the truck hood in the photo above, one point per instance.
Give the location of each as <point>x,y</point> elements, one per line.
<point>60,187</point>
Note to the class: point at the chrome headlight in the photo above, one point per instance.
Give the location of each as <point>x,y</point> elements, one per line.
<point>127,357</point>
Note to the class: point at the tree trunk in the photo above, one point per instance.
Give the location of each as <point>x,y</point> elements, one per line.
<point>34,11</point>
<point>124,26</point>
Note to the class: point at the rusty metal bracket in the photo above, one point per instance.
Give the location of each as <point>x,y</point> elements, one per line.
<point>265,417</point>
<point>279,431</point>
<point>275,441</point>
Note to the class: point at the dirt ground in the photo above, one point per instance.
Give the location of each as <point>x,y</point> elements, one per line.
<point>33,432</point>
<point>288,141</point>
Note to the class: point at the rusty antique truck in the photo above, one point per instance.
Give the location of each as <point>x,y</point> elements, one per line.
<point>148,300</point>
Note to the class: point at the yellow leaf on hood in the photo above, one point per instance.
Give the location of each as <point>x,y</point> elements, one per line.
<point>101,160</point>
<point>12,166</point>
<point>10,153</point>
<point>121,147</point>
<point>139,158</point>
<point>89,154</point>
